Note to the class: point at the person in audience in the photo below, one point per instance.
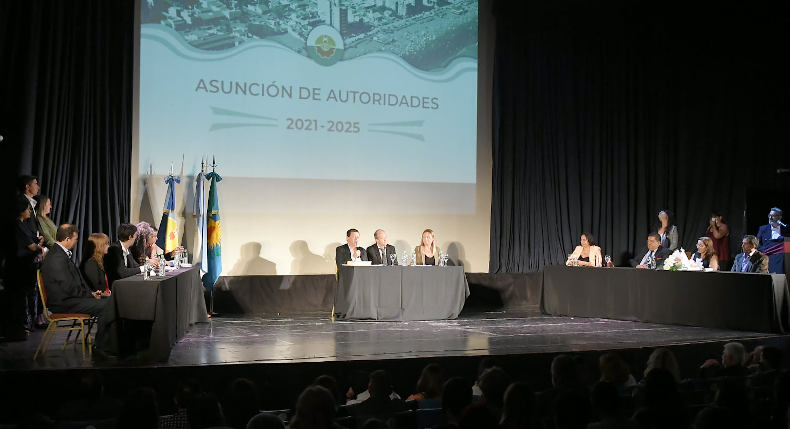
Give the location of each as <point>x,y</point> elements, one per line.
<point>47,226</point>
<point>379,252</point>
<point>380,403</point>
<point>351,250</point>
<point>493,384</point>
<point>315,409</point>
<point>90,402</point>
<point>764,364</point>
<point>667,230</point>
<point>663,358</point>
<point>456,396</point>
<point>482,366</point>
<point>20,276</point>
<point>719,232</point>
<point>185,395</point>
<point>427,253</point>
<point>615,370</point>
<point>656,253</point>
<point>265,421</point>
<point>774,232</point>
<point>663,407</point>
<point>732,363</point>
<point>118,262</point>
<point>607,405</point>
<point>330,383</point>
<point>374,423</point>
<point>145,243</point>
<point>519,407</point>
<point>730,409</point>
<point>429,387</point>
<point>564,377</point>
<point>29,188</point>
<point>751,260</point>
<point>66,290</point>
<point>572,410</point>
<point>92,266</point>
<point>205,412</point>
<point>705,254</point>
<point>140,411</point>
<point>241,403</point>
<point>587,254</point>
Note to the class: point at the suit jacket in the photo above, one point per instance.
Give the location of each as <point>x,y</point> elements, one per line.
<point>62,280</point>
<point>758,263</point>
<point>343,255</point>
<point>764,235</point>
<point>671,241</point>
<point>375,257</point>
<point>32,221</point>
<point>114,266</point>
<point>662,253</point>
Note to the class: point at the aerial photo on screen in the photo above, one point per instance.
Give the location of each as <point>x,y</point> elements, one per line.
<point>428,34</point>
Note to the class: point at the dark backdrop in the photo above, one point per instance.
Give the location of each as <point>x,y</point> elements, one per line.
<point>605,112</point>
<point>66,100</point>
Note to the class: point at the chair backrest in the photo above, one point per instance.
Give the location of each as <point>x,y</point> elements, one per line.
<point>42,291</point>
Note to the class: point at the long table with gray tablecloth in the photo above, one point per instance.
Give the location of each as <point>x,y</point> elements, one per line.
<point>171,304</point>
<point>725,300</point>
<point>400,293</point>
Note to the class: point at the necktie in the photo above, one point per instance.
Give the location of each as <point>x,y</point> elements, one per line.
<point>650,260</point>
<point>383,259</point>
<point>745,266</point>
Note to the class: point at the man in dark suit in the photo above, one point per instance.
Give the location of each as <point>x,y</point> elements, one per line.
<point>773,233</point>
<point>28,186</point>
<point>751,260</point>
<point>344,253</point>
<point>66,290</point>
<point>656,253</point>
<point>379,253</point>
<point>119,262</point>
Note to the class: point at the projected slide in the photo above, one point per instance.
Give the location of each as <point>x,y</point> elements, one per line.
<point>348,90</point>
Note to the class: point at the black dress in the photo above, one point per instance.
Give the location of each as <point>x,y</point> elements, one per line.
<point>698,257</point>
<point>430,260</point>
<point>94,275</point>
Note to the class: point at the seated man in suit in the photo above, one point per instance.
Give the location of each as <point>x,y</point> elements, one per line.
<point>379,253</point>
<point>349,251</point>
<point>751,260</point>
<point>119,262</point>
<point>66,290</point>
<point>656,253</point>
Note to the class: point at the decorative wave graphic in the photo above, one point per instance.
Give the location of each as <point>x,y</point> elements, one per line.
<point>170,39</point>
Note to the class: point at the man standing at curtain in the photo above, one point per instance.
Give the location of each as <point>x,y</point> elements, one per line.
<point>656,253</point>
<point>28,186</point>
<point>379,253</point>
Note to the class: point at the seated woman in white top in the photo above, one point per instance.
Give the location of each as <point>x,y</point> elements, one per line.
<point>587,253</point>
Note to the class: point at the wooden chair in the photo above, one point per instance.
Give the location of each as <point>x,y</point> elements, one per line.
<point>69,322</point>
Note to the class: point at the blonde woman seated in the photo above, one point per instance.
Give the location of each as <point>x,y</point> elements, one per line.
<point>705,254</point>
<point>427,252</point>
<point>587,254</point>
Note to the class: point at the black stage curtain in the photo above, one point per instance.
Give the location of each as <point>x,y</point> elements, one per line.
<point>605,112</point>
<point>66,91</point>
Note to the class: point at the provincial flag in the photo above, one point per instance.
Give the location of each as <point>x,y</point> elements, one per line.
<point>167,237</point>
<point>213,235</point>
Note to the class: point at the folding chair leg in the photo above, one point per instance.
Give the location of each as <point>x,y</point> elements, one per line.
<point>82,334</point>
<point>68,336</point>
<point>43,341</point>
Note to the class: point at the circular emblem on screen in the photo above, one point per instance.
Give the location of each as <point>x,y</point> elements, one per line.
<point>324,45</point>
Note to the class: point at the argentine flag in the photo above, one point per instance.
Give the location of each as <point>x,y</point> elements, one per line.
<point>167,237</point>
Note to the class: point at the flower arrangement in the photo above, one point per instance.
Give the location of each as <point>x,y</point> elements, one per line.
<point>677,261</point>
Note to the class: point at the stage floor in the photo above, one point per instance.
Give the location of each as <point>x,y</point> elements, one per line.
<point>315,338</point>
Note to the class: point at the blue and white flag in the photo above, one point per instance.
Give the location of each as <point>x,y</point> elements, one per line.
<point>199,211</point>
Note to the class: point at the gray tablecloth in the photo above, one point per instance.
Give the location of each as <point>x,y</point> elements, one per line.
<point>172,303</point>
<point>738,301</point>
<point>400,293</point>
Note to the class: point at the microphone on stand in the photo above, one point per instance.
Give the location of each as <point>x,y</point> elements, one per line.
<point>781,223</point>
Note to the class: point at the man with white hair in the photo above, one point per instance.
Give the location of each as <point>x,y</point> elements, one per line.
<point>379,252</point>
<point>732,363</point>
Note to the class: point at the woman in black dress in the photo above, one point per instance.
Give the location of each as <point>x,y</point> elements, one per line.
<point>93,265</point>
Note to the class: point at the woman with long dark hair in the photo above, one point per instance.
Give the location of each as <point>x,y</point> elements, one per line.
<point>667,229</point>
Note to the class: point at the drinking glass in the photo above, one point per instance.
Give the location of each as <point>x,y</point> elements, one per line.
<point>392,258</point>
<point>608,259</point>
